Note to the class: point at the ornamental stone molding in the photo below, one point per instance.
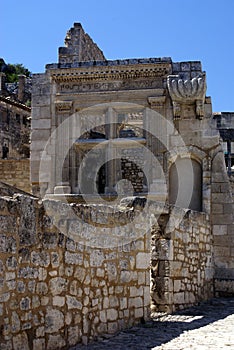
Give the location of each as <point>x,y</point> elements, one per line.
<point>63,106</point>
<point>187,92</point>
<point>110,73</point>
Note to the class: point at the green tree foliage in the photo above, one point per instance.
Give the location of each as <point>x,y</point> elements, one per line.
<point>13,70</point>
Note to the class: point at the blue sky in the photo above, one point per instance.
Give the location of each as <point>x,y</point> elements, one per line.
<point>32,31</point>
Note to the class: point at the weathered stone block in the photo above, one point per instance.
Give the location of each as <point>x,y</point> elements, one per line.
<point>103,317</point>
<point>28,272</point>
<point>73,303</point>
<point>73,335</point>
<point>112,327</point>
<point>112,314</point>
<point>7,224</point>
<point>54,320</point>
<point>142,260</point>
<point>80,273</point>
<point>7,244</point>
<point>222,251</point>
<point>138,313</point>
<point>42,288</point>
<point>40,258</point>
<point>58,285</point>
<point>20,341</point>
<point>73,258</point>
<point>96,258</point>
<point>125,276</point>
<point>58,301</point>
<point>135,292</point>
<point>15,322</point>
<point>25,303</point>
<point>179,298</point>
<point>135,302</point>
<point>56,342</point>
<point>39,344</point>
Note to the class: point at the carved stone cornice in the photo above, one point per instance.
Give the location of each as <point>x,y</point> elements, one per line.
<point>97,74</point>
<point>63,106</point>
<point>187,92</point>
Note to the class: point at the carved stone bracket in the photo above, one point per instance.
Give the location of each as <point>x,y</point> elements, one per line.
<point>187,92</point>
<point>156,101</point>
<point>63,106</point>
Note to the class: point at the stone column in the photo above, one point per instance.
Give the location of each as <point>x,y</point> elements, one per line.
<point>62,149</point>
<point>111,133</point>
<point>74,156</point>
<point>158,143</point>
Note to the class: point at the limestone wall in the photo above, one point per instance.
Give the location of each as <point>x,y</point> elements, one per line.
<point>55,292</point>
<point>16,173</point>
<point>223,227</point>
<point>182,260</point>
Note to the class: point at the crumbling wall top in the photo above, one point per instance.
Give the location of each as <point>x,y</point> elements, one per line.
<point>79,47</point>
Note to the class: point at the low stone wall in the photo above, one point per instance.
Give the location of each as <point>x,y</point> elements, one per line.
<point>16,173</point>
<point>61,283</point>
<point>182,260</point>
<point>70,273</point>
<point>222,219</point>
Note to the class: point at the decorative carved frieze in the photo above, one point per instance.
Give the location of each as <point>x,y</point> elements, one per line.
<point>63,106</point>
<point>78,87</point>
<point>111,73</point>
<point>187,92</point>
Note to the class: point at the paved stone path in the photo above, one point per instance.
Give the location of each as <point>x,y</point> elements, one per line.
<point>207,326</point>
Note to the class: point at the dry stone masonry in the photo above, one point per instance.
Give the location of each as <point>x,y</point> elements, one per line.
<point>57,292</point>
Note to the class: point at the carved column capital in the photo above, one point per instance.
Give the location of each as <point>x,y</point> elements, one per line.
<point>187,92</point>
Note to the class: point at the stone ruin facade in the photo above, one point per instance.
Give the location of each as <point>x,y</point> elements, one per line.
<point>80,260</point>
<point>15,125</point>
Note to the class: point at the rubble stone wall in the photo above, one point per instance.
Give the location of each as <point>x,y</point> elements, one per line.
<point>56,292</point>
<point>70,273</point>
<point>132,164</point>
<point>16,173</point>
<point>182,261</point>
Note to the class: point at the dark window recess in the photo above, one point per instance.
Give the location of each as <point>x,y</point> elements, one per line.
<point>17,117</point>
<point>25,120</point>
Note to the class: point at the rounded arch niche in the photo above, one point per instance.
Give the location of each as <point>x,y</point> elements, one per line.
<point>185,184</point>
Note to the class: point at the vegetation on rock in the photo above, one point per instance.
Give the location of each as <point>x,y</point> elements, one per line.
<point>13,70</point>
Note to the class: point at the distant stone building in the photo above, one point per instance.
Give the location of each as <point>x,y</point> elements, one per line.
<point>15,124</point>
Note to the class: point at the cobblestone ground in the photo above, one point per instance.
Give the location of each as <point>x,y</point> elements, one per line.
<point>207,326</point>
